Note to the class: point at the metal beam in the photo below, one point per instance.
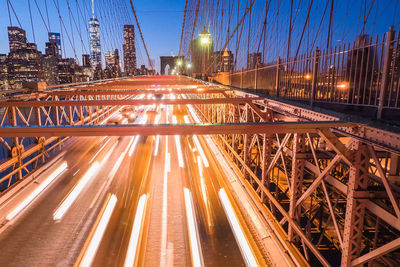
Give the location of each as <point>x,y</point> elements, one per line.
<point>91,92</point>
<point>132,102</point>
<point>167,129</point>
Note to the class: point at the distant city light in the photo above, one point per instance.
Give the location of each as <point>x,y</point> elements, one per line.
<point>343,85</point>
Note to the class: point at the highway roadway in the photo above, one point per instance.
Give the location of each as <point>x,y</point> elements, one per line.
<point>143,201</point>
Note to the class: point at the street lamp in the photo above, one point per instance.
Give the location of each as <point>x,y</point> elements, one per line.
<point>205,41</point>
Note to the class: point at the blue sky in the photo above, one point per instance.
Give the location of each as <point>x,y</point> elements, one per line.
<point>161,22</point>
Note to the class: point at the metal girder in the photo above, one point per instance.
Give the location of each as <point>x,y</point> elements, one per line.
<point>133,92</point>
<point>355,208</point>
<point>132,102</point>
<point>166,129</point>
<point>372,135</point>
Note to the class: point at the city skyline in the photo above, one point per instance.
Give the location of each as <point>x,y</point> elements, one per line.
<point>149,23</point>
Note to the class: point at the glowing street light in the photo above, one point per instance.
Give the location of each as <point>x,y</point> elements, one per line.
<point>179,62</point>
<point>205,37</point>
<point>189,65</point>
<point>206,43</point>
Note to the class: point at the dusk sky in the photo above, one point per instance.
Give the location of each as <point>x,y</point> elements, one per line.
<point>161,23</point>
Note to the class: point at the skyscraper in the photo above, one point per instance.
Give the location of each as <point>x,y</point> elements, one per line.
<point>113,64</point>
<point>94,37</point>
<point>55,38</point>
<point>16,38</point>
<point>253,60</point>
<point>86,61</point>
<point>129,49</point>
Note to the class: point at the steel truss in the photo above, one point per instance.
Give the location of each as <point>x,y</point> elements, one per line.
<point>333,188</point>
<point>335,192</point>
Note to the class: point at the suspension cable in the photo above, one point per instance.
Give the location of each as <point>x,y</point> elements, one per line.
<point>141,35</point>
<point>183,27</point>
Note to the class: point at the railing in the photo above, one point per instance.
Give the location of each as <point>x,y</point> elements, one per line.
<point>366,73</point>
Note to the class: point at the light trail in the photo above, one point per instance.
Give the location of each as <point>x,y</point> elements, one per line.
<point>163,260</point>
<point>179,149</point>
<point>198,145</point>
<point>197,259</point>
<point>143,120</point>
<point>135,234</point>
<point>193,113</point>
<point>237,230</point>
<point>95,240</point>
<point>202,183</point>
<point>156,121</point>
<point>201,151</point>
<point>178,146</point>
<point>73,195</point>
<point>135,142</point>
<point>37,191</point>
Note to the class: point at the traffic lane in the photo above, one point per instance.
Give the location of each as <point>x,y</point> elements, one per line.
<point>254,252</point>
<point>34,233</point>
<point>130,182</point>
<point>218,243</point>
<point>128,185</point>
<point>209,193</point>
<point>149,253</point>
<point>177,248</point>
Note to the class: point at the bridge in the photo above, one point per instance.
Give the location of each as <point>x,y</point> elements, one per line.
<point>258,148</point>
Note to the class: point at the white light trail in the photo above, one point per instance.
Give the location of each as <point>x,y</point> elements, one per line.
<point>166,114</point>
<point>202,183</point>
<point>186,119</point>
<point>179,149</point>
<point>163,253</point>
<point>196,140</point>
<point>101,148</point>
<point>144,119</point>
<point>73,195</point>
<point>193,113</point>
<point>135,142</point>
<point>108,155</point>
<point>37,191</point>
<point>201,151</point>
<point>91,250</point>
<point>197,259</point>
<point>178,144</point>
<point>135,234</point>
<point>237,230</point>
<point>156,121</point>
